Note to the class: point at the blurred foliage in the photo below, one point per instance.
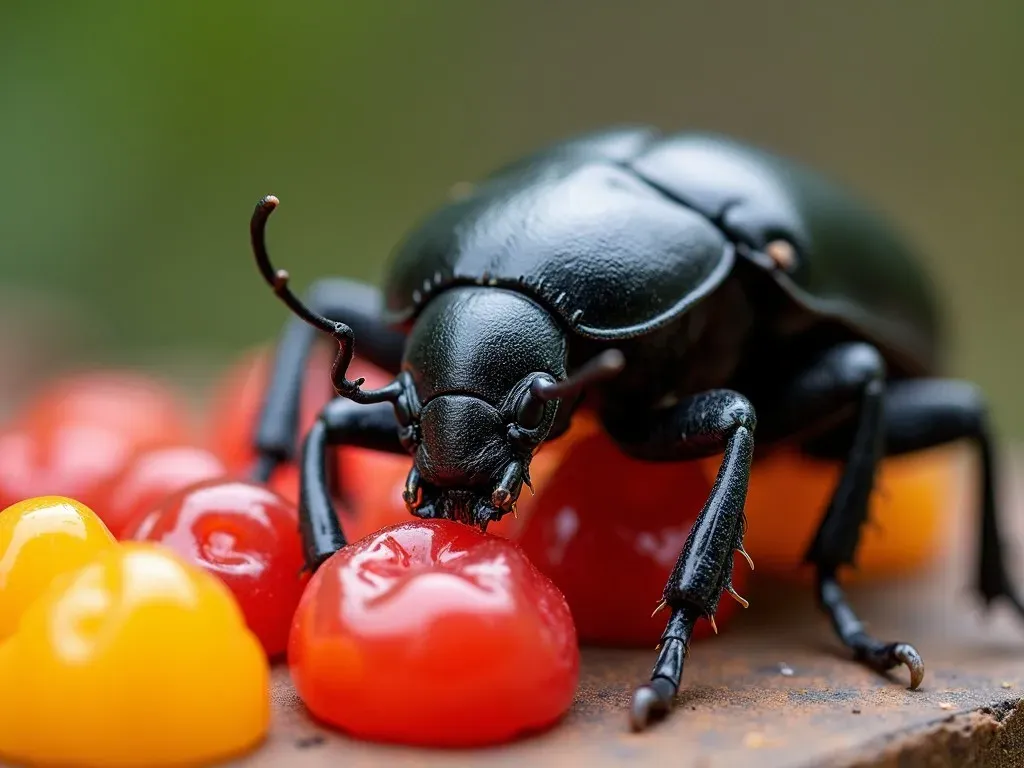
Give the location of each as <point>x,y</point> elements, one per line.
<point>135,138</point>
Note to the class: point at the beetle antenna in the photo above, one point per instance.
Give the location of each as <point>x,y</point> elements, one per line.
<point>605,366</point>
<point>340,332</point>
<point>278,278</point>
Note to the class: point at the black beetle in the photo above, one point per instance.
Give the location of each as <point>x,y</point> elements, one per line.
<point>691,288</point>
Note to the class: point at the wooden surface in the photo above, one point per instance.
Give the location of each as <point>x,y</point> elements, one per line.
<point>774,690</point>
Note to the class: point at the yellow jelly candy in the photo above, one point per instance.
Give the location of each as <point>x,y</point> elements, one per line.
<point>138,658</point>
<point>907,529</point>
<point>40,539</point>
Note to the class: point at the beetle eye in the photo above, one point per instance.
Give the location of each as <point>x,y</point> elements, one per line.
<point>530,413</point>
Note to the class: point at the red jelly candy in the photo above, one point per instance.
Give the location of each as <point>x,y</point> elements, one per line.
<point>145,411</point>
<point>248,536</point>
<point>77,434</point>
<point>433,633</point>
<point>150,477</point>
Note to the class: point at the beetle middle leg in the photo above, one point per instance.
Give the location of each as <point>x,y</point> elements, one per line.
<point>356,305</point>
<point>700,426</point>
<point>341,422</point>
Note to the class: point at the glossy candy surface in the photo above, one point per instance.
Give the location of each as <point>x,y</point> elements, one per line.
<point>40,539</point>
<point>433,633</point>
<point>247,536</point>
<point>135,659</point>
<point>153,475</point>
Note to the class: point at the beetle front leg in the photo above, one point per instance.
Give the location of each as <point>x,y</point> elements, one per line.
<point>341,422</point>
<point>356,305</point>
<point>700,426</point>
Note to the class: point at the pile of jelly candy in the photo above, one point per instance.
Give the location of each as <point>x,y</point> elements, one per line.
<point>148,586</point>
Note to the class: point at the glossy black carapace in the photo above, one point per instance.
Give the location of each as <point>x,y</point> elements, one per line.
<point>692,290</point>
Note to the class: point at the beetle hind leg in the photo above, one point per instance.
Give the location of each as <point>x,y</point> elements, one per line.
<point>845,388</point>
<point>926,413</point>
<point>877,654</point>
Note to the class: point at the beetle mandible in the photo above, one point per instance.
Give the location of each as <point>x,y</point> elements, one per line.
<point>693,290</point>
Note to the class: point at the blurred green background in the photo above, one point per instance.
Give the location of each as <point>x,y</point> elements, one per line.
<point>136,136</point>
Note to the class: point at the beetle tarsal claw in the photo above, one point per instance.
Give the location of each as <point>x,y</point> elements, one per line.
<point>906,654</point>
<point>649,704</point>
<point>714,626</point>
<point>886,656</point>
<point>737,596</point>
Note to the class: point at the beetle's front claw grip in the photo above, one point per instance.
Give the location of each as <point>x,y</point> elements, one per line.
<point>886,657</point>
<point>651,702</point>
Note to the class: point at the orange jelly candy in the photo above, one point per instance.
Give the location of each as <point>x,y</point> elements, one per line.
<point>906,530</point>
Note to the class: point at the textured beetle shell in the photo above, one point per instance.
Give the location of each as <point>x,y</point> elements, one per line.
<point>606,251</point>
<point>620,232</point>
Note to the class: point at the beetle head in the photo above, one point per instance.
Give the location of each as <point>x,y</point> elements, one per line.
<point>484,377</point>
